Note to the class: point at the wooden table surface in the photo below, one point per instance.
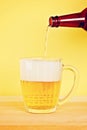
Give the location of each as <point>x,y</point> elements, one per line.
<point>70,116</point>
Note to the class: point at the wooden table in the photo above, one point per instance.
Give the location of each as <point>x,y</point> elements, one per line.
<point>70,116</point>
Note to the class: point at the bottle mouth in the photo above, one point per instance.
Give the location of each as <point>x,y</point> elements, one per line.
<point>50,21</point>
<point>54,21</point>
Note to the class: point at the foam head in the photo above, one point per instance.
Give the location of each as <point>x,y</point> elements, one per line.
<point>40,70</point>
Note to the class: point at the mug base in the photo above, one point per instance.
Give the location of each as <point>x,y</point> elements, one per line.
<point>41,111</point>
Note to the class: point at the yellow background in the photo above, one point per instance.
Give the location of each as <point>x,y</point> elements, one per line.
<point>23,26</point>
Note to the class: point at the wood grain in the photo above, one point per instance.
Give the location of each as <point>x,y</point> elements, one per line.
<point>72,115</point>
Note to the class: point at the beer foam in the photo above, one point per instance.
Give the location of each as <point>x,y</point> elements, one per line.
<point>40,70</point>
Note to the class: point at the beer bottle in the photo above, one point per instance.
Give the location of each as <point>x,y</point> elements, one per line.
<point>78,20</point>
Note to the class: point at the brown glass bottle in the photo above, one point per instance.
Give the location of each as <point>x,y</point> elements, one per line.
<point>70,20</point>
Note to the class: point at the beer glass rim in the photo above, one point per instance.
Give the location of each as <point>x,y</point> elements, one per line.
<point>40,59</point>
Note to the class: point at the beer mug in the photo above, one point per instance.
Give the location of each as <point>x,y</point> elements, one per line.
<point>41,83</point>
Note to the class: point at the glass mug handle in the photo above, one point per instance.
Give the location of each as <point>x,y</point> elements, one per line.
<point>75,82</point>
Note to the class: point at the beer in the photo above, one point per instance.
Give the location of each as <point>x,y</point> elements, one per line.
<point>40,95</point>
<point>46,42</point>
<point>40,82</point>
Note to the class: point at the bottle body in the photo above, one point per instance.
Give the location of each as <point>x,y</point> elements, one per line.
<point>70,20</point>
